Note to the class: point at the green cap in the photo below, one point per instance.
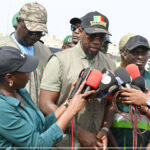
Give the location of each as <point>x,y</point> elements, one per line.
<point>34,16</point>
<point>68,39</point>
<point>14,19</point>
<point>124,40</point>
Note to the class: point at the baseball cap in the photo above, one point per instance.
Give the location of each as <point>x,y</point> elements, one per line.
<point>95,22</point>
<point>68,39</point>
<point>136,41</point>
<point>12,60</point>
<point>107,38</point>
<point>75,20</point>
<point>14,19</point>
<point>34,16</point>
<point>124,40</point>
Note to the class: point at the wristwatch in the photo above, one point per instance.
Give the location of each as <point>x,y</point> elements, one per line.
<point>65,104</point>
<point>148,102</point>
<point>105,129</point>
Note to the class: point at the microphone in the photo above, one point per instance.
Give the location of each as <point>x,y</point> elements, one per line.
<point>133,71</point>
<point>138,80</point>
<point>82,76</point>
<point>107,85</point>
<point>93,79</point>
<point>123,77</point>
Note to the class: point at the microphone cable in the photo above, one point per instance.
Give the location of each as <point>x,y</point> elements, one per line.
<point>133,116</point>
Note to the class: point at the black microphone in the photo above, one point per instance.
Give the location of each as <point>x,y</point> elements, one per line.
<point>82,76</point>
<point>140,82</point>
<point>107,85</point>
<point>123,76</point>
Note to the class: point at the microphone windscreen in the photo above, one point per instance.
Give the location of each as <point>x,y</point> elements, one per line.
<point>123,75</point>
<point>94,79</point>
<point>139,82</point>
<point>133,71</point>
<point>108,82</point>
<point>135,87</point>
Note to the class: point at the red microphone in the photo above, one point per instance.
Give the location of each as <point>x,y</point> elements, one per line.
<point>133,71</point>
<point>92,77</point>
<point>138,80</point>
<point>93,80</point>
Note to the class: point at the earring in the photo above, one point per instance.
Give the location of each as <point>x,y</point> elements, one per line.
<point>11,83</point>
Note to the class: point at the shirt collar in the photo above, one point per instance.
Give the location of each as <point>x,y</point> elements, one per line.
<point>11,100</point>
<point>82,53</point>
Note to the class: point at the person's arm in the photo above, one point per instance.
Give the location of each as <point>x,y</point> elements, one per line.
<point>20,132</point>
<point>145,110</point>
<point>50,87</point>
<point>108,118</point>
<point>74,106</point>
<point>87,138</point>
<point>47,102</point>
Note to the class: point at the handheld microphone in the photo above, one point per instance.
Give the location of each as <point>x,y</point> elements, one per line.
<point>107,85</point>
<point>82,76</point>
<point>123,77</point>
<point>138,80</point>
<point>93,79</point>
<point>133,70</point>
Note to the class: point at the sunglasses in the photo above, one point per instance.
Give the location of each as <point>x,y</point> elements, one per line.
<point>74,27</point>
<point>36,34</point>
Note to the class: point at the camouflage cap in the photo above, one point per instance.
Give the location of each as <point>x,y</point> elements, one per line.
<point>124,40</point>
<point>34,16</point>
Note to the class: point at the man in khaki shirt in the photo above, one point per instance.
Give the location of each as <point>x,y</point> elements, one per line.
<point>63,68</point>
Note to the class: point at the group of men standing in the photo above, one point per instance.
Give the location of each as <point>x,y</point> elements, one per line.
<point>50,83</point>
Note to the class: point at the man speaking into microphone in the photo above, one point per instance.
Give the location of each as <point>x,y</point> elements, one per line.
<point>134,50</point>
<point>64,68</point>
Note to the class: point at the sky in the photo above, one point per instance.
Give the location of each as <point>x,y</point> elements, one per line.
<point>125,16</point>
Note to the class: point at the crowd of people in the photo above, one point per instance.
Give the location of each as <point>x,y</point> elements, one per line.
<point>36,82</point>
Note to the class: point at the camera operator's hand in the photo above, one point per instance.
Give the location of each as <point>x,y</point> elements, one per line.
<point>102,138</point>
<point>133,96</point>
<point>88,139</point>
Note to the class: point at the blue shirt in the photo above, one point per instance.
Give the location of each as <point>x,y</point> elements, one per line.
<point>29,50</point>
<point>25,126</point>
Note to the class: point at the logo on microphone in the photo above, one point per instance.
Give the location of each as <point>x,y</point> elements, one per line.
<point>106,79</point>
<point>112,88</point>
